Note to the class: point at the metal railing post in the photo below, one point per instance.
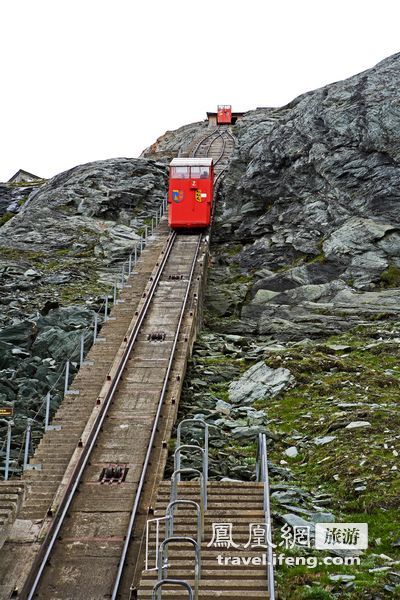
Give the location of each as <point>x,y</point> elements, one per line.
<point>174,490</point>
<point>106,308</point>
<point>169,512</point>
<point>66,377</point>
<point>95,327</point>
<point>177,461</point>
<point>262,467</point>
<point>135,253</point>
<point>8,447</point>
<point>141,244</point>
<point>123,277</point>
<point>115,294</point>
<point>162,567</point>
<point>27,443</point>
<point>130,264</point>
<point>47,417</point>
<point>81,349</point>
<point>8,450</point>
<point>203,424</point>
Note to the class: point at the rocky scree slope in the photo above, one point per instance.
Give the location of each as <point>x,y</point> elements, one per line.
<point>58,257</point>
<point>304,292</point>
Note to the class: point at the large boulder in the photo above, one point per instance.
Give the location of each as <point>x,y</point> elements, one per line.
<point>259,382</point>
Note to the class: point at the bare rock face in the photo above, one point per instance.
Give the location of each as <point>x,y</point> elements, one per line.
<point>76,208</point>
<point>311,200</point>
<point>175,143</point>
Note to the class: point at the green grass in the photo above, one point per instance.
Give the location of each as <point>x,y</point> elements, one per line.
<point>370,377</point>
<point>5,218</point>
<point>390,278</point>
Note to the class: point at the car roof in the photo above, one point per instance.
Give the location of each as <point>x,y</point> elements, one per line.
<point>191,162</point>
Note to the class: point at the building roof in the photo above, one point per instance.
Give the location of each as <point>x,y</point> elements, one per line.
<point>25,175</point>
<point>192,162</point>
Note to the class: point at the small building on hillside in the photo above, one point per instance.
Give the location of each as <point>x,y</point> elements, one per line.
<point>22,176</point>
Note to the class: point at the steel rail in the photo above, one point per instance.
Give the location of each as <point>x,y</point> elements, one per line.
<point>204,139</point>
<point>154,429</point>
<point>46,548</point>
<point>213,140</point>
<point>222,150</point>
<point>217,178</point>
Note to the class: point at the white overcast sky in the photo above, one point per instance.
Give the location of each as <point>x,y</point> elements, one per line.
<point>83,80</point>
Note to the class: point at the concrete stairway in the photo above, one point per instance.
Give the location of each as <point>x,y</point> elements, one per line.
<point>11,498</point>
<point>237,503</point>
<point>57,447</point>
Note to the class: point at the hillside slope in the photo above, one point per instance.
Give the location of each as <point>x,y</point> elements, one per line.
<point>302,321</point>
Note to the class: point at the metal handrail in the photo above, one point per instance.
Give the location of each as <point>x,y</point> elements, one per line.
<point>174,482</point>
<point>203,424</point>
<point>169,515</point>
<point>10,424</point>
<point>157,521</point>
<point>263,476</point>
<point>159,584</point>
<point>163,566</point>
<point>178,470</point>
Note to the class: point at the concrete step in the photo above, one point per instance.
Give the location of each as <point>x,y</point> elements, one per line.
<point>11,499</point>
<point>228,502</point>
<point>180,594</point>
<point>214,585</point>
<point>176,572</point>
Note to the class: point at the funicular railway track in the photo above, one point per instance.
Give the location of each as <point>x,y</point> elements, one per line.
<point>218,145</point>
<point>87,540</point>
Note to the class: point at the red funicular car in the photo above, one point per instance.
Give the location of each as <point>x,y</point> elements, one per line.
<point>190,194</point>
<point>224,114</point>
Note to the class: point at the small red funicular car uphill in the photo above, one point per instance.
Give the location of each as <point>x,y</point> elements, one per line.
<point>190,195</point>
<point>224,114</point>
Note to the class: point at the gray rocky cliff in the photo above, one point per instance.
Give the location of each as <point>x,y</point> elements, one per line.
<point>311,201</point>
